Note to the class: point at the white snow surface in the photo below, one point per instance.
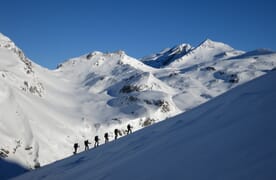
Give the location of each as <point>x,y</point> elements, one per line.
<point>229,137</point>
<point>44,112</point>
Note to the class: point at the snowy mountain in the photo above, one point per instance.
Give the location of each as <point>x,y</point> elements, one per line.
<point>167,56</point>
<point>186,55</point>
<point>229,137</point>
<point>44,112</point>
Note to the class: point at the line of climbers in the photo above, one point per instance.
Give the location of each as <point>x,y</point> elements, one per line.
<point>97,139</point>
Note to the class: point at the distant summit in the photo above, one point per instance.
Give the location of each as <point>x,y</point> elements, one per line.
<point>185,54</point>
<point>167,56</point>
<point>208,43</point>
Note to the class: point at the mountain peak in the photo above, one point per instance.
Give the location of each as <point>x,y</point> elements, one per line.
<point>99,53</point>
<point>4,38</point>
<point>207,40</point>
<point>208,43</point>
<point>120,52</point>
<point>5,41</point>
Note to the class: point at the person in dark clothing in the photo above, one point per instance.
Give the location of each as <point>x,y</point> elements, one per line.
<point>76,146</point>
<point>116,131</point>
<point>86,144</point>
<point>96,141</point>
<point>106,138</point>
<point>129,129</point>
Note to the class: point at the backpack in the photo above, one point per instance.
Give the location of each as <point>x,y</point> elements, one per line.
<point>106,135</point>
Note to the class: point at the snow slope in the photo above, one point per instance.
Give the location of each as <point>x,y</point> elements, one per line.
<point>229,137</point>
<point>84,97</point>
<point>43,112</point>
<point>9,169</point>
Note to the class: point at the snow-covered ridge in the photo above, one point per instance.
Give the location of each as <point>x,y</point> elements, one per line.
<point>97,92</point>
<point>208,50</point>
<point>4,40</point>
<point>209,44</point>
<point>6,43</point>
<point>186,55</point>
<point>167,56</point>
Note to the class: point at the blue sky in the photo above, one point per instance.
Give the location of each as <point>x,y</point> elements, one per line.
<point>52,31</point>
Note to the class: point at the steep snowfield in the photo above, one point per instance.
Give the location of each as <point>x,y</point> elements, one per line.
<point>229,137</point>
<point>43,112</point>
